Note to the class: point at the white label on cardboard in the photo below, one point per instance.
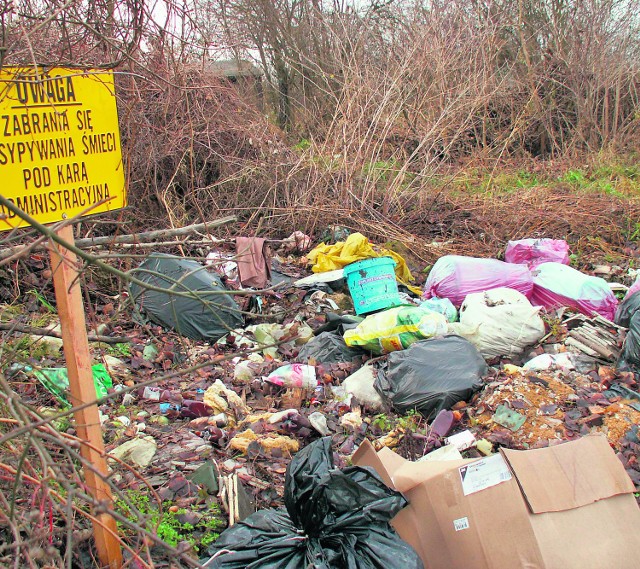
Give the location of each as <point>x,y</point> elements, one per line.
<point>483,474</point>
<point>461,523</point>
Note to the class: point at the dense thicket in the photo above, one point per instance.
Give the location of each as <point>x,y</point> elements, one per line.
<point>371,97</point>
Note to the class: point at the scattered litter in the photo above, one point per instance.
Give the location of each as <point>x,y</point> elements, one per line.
<point>297,241</point>
<point>319,423</point>
<point>596,337</point>
<point>206,475</point>
<point>246,370</point>
<point>335,279</point>
<point>351,420</point>
<point>269,442</point>
<point>223,400</point>
<point>253,259</point>
<point>485,447</point>
<point>223,264</point>
<point>508,418</point>
<point>543,362</point>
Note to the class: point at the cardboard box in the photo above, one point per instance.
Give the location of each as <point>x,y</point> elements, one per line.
<point>569,506</point>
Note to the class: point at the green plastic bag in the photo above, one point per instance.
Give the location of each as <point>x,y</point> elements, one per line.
<point>56,380</point>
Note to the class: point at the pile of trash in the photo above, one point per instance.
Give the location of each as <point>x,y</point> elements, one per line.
<point>488,356</point>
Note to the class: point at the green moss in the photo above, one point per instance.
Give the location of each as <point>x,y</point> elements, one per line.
<point>122,350</point>
<point>139,509</point>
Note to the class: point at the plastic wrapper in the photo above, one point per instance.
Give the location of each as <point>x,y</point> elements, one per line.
<point>557,285</point>
<point>441,305</point>
<point>56,380</point>
<point>332,519</point>
<point>545,362</point>
<point>455,276</point>
<point>294,375</point>
<point>431,375</point>
<point>361,385</point>
<point>328,348</point>
<point>533,252</point>
<point>395,329</point>
<point>207,315</point>
<point>503,320</point>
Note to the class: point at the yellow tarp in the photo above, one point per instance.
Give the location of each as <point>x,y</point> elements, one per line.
<point>326,258</point>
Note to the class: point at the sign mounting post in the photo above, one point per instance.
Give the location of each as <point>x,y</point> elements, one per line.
<point>61,158</point>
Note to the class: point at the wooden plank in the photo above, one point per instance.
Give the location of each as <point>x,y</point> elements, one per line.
<point>603,351</point>
<point>570,341</point>
<point>64,265</point>
<point>593,336</point>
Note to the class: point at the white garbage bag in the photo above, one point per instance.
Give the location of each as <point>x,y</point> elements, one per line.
<point>503,322</point>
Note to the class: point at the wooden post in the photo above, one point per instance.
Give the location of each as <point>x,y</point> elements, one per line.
<point>76,352</point>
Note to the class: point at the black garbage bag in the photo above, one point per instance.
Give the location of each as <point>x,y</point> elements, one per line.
<point>628,315</point>
<point>431,375</point>
<point>626,309</point>
<point>208,317</point>
<point>332,519</point>
<point>328,348</point>
<point>630,356</point>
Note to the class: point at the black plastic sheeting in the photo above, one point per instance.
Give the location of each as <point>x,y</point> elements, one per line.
<point>628,315</point>
<point>328,348</point>
<point>339,323</point>
<point>626,309</point>
<point>208,317</point>
<point>332,519</point>
<point>431,375</point>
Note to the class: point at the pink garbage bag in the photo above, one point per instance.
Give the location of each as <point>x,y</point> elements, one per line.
<point>455,276</point>
<point>533,252</point>
<point>556,285</point>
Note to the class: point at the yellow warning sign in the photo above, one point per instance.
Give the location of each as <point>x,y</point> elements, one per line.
<point>60,153</point>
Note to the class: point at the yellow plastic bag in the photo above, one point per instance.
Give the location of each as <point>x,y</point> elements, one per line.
<point>326,258</point>
<point>395,329</point>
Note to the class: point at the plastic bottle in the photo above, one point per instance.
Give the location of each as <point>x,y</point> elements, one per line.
<point>157,394</point>
<point>193,409</point>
